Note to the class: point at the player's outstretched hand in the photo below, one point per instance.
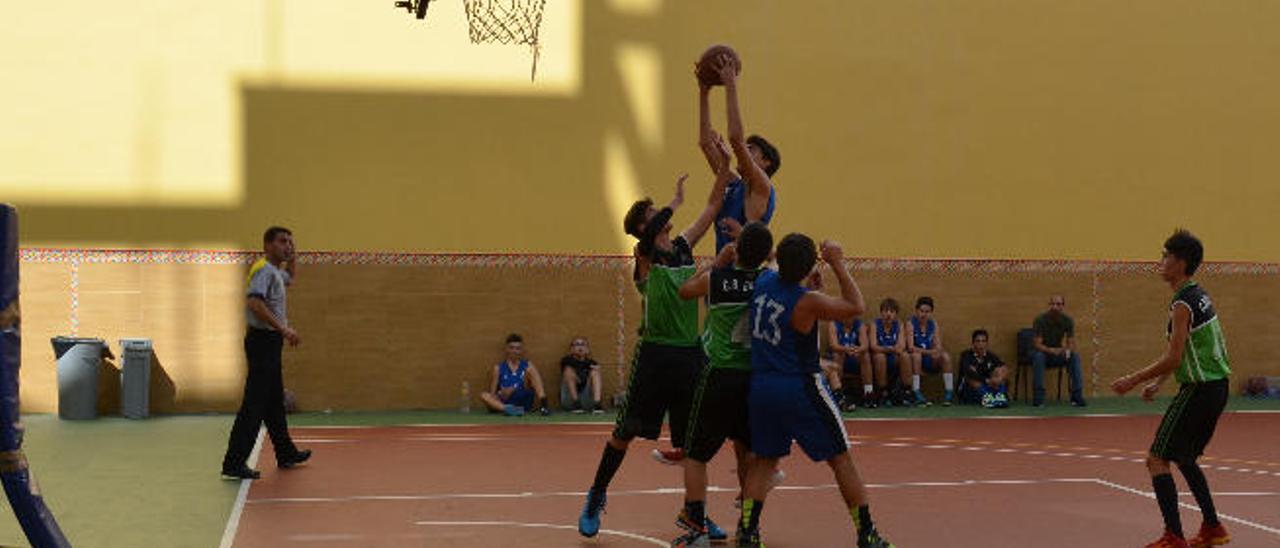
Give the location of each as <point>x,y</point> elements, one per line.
<point>722,150</point>
<point>1123,385</point>
<point>702,86</point>
<point>728,71</point>
<point>730,227</point>
<point>679,197</point>
<point>728,254</point>
<point>832,253</point>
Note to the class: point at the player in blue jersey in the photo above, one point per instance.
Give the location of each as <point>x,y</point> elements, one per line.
<point>787,402</point>
<point>750,196</point>
<point>924,346</point>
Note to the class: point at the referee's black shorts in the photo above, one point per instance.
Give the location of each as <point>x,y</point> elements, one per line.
<point>719,412</point>
<point>1189,422</point>
<point>662,381</point>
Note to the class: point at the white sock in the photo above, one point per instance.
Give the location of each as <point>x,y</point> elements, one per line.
<point>915,382</point>
<point>866,389</point>
<point>949,381</point>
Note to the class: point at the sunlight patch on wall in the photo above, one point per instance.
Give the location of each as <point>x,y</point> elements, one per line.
<point>641,68</point>
<point>621,185</point>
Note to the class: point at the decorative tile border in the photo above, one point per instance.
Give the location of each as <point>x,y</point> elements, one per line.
<point>610,262</point>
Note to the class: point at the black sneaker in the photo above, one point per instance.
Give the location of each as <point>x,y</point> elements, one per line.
<point>1078,402</point>
<point>873,540</point>
<point>297,458</point>
<point>748,539</point>
<point>241,473</point>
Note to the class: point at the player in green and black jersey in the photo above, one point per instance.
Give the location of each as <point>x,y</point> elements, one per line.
<point>719,409</point>
<point>1197,357</point>
<point>668,359</point>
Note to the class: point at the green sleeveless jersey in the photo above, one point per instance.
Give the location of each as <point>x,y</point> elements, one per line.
<point>1205,357</point>
<point>726,339</point>
<point>668,319</point>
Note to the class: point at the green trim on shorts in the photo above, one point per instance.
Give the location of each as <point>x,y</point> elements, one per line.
<point>631,383</point>
<point>1171,419</point>
<point>695,408</point>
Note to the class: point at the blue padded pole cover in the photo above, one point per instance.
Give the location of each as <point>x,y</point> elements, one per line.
<point>19,485</point>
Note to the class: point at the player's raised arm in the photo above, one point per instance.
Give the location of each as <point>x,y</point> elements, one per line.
<point>819,306</point>
<point>698,229</point>
<point>759,186</point>
<point>699,285</point>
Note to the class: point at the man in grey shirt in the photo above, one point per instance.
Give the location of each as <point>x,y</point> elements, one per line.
<point>268,329</point>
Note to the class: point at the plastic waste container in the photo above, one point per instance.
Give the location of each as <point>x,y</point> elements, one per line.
<point>79,359</point>
<point>135,378</point>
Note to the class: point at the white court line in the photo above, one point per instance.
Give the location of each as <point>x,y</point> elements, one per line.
<point>1236,494</point>
<point>1221,516</point>
<point>233,521</point>
<point>573,528</point>
<point>657,491</point>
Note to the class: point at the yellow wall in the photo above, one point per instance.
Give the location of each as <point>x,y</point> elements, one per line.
<point>1039,129</point>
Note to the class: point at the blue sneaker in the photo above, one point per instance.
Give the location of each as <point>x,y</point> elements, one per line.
<point>589,520</point>
<point>921,401</point>
<point>715,533</point>
<point>513,410</point>
<point>947,397</point>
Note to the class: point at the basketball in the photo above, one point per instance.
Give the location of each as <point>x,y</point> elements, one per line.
<point>708,64</point>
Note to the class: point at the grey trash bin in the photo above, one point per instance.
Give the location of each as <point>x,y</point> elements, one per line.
<point>135,379</point>
<point>78,362</point>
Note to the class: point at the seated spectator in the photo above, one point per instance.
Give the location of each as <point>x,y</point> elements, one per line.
<point>850,354</point>
<point>1055,346</point>
<point>580,379</point>
<point>888,351</point>
<point>983,374</point>
<point>927,353</point>
<point>516,383</point>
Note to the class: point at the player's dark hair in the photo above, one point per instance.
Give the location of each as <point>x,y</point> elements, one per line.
<point>633,223</point>
<point>977,332</point>
<point>769,151</point>
<point>271,233</point>
<point>1183,245</point>
<point>514,337</point>
<point>923,301</point>
<point>754,244</point>
<point>889,303</point>
<point>796,257</point>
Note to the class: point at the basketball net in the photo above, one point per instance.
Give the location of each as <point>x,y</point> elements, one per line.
<point>506,22</point>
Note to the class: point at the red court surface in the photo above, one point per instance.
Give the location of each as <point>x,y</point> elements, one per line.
<point>1076,481</point>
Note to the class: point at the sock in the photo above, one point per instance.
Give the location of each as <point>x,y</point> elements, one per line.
<point>948,379</point>
<point>915,382</point>
<point>866,389</point>
<point>697,511</point>
<point>862,523</point>
<point>1167,496</point>
<point>1200,489</point>
<point>610,460</point>
<point>751,509</point>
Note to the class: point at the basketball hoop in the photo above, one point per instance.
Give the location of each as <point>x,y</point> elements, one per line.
<point>506,22</point>
<point>496,22</point>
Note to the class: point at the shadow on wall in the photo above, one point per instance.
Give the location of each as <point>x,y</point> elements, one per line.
<point>108,388</point>
<point>163,391</point>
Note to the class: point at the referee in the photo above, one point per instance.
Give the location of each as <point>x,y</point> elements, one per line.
<point>264,385</point>
<point>1197,357</point>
